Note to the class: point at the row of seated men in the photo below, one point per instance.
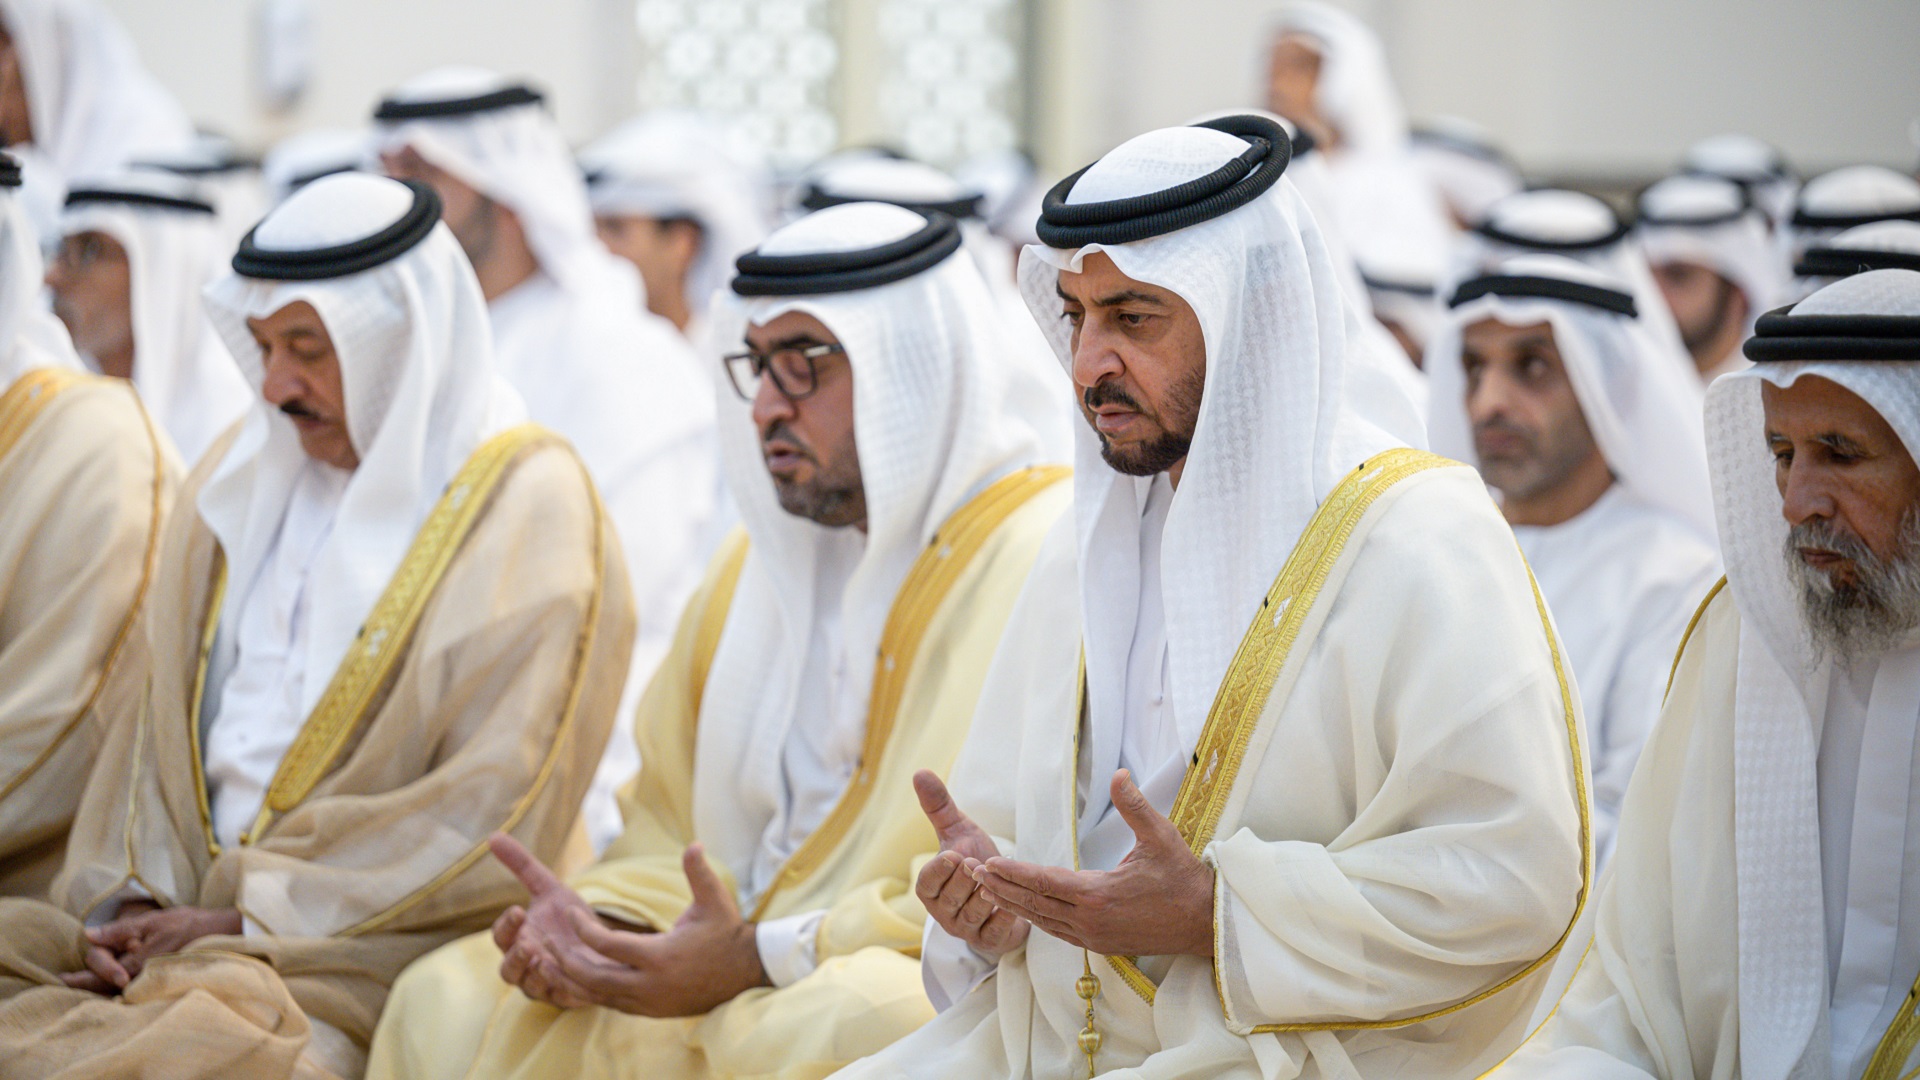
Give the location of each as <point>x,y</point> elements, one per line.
<point>1251,748</point>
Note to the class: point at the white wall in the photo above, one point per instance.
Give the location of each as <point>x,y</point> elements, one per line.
<point>582,52</point>
<point>1583,87</point>
<point>1587,87</point>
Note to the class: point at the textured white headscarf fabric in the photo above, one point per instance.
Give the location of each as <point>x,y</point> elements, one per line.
<point>299,160</point>
<point>93,104</point>
<point>1556,215</point>
<point>1297,395</point>
<point>30,336</point>
<point>1782,688</point>
<point>673,164</point>
<point>416,368</point>
<point>1734,240</point>
<point>933,428</point>
<point>1644,412</point>
<point>181,369</point>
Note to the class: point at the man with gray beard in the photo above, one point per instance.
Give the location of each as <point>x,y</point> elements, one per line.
<point>1762,913</point>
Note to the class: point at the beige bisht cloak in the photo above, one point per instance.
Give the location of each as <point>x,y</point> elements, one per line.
<point>476,699</point>
<point>85,482</point>
<point>1396,815</point>
<point>453,1016</point>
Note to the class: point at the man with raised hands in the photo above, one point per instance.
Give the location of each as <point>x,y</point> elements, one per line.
<point>757,918</point>
<point>389,619</point>
<point>1300,793</point>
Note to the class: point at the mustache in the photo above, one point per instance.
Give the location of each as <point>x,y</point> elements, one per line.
<point>300,409</point>
<point>1502,427</point>
<point>1828,535</point>
<point>1109,393</point>
<point>782,432</point>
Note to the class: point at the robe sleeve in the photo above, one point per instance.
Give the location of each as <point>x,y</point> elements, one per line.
<point>502,704</point>
<point>85,489</point>
<point>1653,993</point>
<point>1463,861</point>
<point>639,878</point>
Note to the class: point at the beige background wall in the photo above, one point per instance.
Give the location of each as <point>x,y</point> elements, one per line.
<point>1599,88</point>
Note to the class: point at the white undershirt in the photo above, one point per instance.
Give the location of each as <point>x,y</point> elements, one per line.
<point>817,762</point>
<point>1870,849</point>
<point>1151,748</point>
<point>1622,578</point>
<point>260,697</point>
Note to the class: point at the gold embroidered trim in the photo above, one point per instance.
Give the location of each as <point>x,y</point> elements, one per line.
<point>1243,693</point>
<point>1582,799</point>
<point>1541,1026</point>
<point>209,629</point>
<point>132,617</point>
<point>1898,1044</point>
<point>384,637</point>
<point>582,650</point>
<point>1698,614</point>
<point>27,398</point>
<point>925,588</point>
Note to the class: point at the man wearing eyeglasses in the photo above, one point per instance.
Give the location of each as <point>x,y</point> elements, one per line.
<point>758,916</point>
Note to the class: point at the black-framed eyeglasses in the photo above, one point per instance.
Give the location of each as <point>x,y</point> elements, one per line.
<point>794,370</point>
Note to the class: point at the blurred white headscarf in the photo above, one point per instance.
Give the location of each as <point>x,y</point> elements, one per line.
<point>1297,395</point>
<point>1710,221</point>
<point>677,165</point>
<point>93,105</point>
<point>932,424</point>
<point>181,369</point>
<point>30,336</point>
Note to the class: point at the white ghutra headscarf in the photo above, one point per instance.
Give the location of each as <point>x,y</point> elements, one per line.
<point>181,369</point>
<point>1297,395</point>
<point>1644,412</point>
<point>932,380</point>
<point>416,370</point>
<point>1782,690</point>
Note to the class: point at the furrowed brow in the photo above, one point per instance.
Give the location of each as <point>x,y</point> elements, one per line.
<point>1843,444</point>
<point>1129,296</point>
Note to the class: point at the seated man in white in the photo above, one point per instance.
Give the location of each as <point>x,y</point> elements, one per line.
<point>1761,918</point>
<point>1317,807</point>
<point>1547,379</point>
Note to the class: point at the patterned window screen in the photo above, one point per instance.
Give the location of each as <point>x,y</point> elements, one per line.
<point>767,66</point>
<point>953,85</point>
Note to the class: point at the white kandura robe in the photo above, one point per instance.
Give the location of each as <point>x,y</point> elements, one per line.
<point>1622,579</point>
<point>1657,995</point>
<point>1402,773</point>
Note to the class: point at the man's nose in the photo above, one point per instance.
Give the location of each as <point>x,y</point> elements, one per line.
<point>1806,495</point>
<point>1094,358</point>
<point>280,383</point>
<point>770,405</point>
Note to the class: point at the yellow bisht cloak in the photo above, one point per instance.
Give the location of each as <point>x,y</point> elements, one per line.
<point>452,1015</point>
<point>476,698</point>
<point>85,482</point>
